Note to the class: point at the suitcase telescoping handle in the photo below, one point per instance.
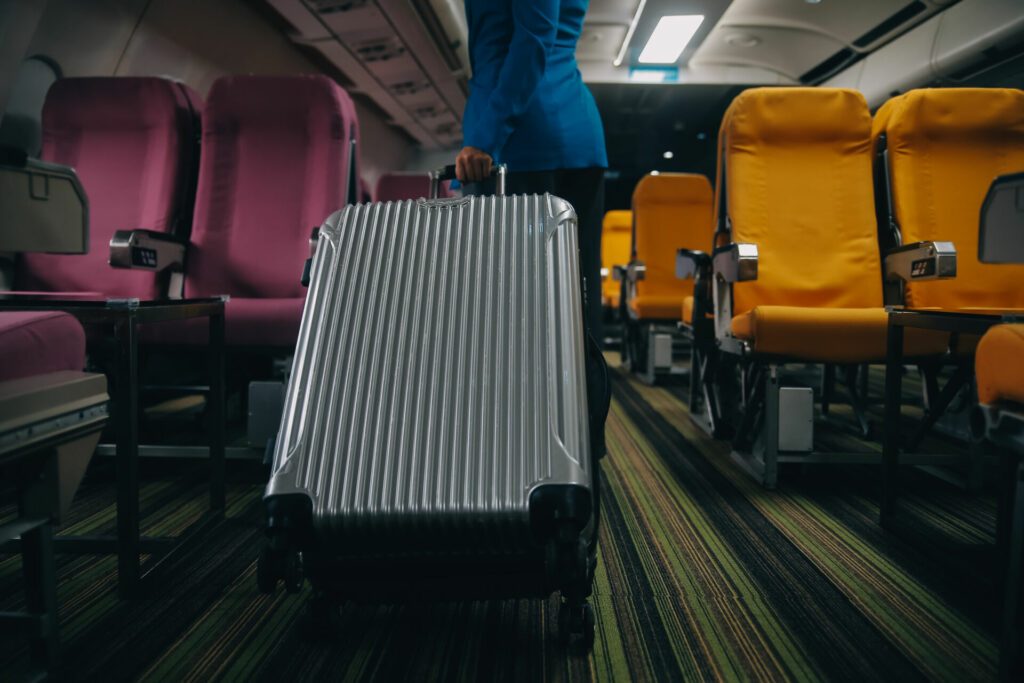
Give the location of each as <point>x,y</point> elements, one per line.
<point>444,173</point>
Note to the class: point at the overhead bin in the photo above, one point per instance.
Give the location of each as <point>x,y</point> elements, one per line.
<point>961,42</point>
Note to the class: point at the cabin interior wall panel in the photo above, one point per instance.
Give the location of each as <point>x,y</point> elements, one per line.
<point>386,50</point>
<point>936,51</point>
<point>195,41</point>
<point>428,160</point>
<point>86,38</point>
<point>966,32</point>
<point>878,80</point>
<point>18,19</point>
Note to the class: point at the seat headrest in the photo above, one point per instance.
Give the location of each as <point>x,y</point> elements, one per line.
<point>399,186</point>
<point>952,112</point>
<point>672,188</point>
<point>808,115</point>
<point>618,221</point>
<point>269,99</point>
<point>114,102</point>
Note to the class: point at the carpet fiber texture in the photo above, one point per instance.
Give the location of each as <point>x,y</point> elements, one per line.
<point>702,575</point>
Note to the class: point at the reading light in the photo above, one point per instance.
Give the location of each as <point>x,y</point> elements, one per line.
<point>670,38</point>
<point>668,154</point>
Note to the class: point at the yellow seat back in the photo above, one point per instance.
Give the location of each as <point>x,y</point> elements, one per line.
<point>798,184</point>
<point>615,242</point>
<point>946,146</point>
<point>670,211</point>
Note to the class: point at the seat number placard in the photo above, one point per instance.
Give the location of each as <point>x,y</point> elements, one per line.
<point>922,268</point>
<point>144,257</point>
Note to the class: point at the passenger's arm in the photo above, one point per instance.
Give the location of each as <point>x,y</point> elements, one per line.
<point>536,25</point>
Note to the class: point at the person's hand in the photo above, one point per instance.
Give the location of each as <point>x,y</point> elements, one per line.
<point>473,165</point>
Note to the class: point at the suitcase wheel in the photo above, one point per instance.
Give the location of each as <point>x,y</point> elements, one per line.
<point>294,576</point>
<point>577,625</point>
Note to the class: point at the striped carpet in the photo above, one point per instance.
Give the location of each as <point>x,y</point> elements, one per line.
<point>702,576</point>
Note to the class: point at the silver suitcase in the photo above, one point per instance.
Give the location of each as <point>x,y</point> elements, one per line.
<point>436,437</point>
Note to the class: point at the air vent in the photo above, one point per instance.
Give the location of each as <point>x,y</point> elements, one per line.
<point>832,65</point>
<point>891,24</point>
<point>447,130</point>
<point>407,88</point>
<point>428,112</point>
<point>336,6</point>
<point>380,50</point>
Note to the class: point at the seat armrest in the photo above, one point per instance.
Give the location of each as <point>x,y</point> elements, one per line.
<point>921,261</point>
<point>636,271</point>
<point>735,262</point>
<point>307,267</point>
<point>689,262</point>
<point>618,273</point>
<point>314,240</point>
<point>146,250</point>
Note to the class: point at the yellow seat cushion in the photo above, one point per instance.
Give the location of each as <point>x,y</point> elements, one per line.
<point>946,146</point>
<point>616,235</point>
<point>654,307</point>
<point>999,364</point>
<point>829,335</point>
<point>798,173</point>
<point>670,211</point>
<point>688,310</point>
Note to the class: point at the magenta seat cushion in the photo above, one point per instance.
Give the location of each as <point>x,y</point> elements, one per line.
<point>393,187</point>
<point>248,322</point>
<point>274,166</point>
<point>127,138</point>
<point>35,343</point>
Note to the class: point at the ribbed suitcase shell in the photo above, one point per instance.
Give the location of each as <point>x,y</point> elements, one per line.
<point>439,376</point>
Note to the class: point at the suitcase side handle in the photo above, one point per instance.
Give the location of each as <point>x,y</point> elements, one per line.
<point>439,175</point>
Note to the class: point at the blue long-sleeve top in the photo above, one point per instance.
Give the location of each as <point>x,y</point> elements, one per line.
<point>528,106</point>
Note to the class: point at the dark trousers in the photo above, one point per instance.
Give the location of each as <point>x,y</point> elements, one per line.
<point>584,189</point>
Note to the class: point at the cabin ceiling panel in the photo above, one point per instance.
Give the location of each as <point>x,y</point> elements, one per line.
<point>612,11</point>
<point>843,20</point>
<point>345,18</point>
<point>600,42</point>
<point>788,51</point>
<point>754,32</point>
<point>386,50</point>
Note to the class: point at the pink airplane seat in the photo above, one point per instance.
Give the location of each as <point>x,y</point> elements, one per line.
<point>36,343</point>
<point>134,145</point>
<point>392,187</point>
<point>275,163</point>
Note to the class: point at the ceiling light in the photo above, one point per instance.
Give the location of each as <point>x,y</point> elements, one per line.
<point>670,38</point>
<point>654,173</point>
<point>668,154</point>
<point>629,34</point>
